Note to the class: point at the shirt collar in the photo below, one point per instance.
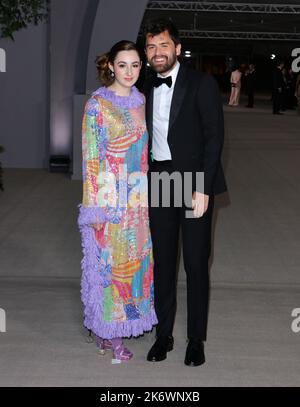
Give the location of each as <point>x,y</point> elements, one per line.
<point>173,73</point>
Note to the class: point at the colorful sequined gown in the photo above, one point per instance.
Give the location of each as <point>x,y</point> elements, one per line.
<point>117,266</point>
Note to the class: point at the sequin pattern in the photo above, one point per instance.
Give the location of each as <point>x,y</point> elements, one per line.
<point>114,136</point>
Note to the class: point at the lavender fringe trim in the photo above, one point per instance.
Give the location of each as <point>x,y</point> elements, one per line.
<point>91,215</point>
<point>92,288</point>
<point>135,99</point>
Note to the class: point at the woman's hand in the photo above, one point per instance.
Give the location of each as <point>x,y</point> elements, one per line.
<point>98,226</point>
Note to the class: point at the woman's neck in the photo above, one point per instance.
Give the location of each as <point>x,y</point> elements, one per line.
<point>119,89</point>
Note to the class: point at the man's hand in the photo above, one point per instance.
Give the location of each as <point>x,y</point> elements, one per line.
<point>199,204</point>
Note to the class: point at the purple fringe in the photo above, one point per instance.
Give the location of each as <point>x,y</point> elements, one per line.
<point>93,214</point>
<point>92,287</point>
<point>135,99</point>
<point>89,215</point>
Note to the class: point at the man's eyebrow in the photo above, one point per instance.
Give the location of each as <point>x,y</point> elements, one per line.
<point>161,43</point>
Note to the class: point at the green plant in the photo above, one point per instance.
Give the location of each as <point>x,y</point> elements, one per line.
<point>17,14</point>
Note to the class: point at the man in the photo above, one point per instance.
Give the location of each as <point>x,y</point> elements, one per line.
<point>185,123</point>
<point>250,84</point>
<point>278,87</point>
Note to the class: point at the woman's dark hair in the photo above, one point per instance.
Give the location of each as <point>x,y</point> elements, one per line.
<point>104,73</point>
<point>155,27</point>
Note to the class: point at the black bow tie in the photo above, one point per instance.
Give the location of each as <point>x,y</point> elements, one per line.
<point>159,81</point>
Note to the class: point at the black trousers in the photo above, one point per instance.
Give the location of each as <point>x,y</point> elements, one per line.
<point>165,223</point>
<point>277,101</point>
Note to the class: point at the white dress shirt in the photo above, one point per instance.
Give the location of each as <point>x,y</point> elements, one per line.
<point>162,98</point>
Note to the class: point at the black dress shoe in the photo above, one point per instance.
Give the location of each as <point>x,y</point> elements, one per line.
<point>160,348</point>
<point>194,353</point>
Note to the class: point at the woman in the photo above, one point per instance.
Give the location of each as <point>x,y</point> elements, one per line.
<point>235,81</point>
<point>117,266</point>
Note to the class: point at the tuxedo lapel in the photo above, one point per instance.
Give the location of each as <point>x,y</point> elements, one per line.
<point>178,95</point>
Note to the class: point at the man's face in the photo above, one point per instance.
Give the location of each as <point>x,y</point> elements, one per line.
<point>161,52</point>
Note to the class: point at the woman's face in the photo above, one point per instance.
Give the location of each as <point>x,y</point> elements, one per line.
<point>126,68</point>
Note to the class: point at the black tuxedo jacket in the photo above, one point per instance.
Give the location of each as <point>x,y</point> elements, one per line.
<point>278,81</point>
<point>196,126</point>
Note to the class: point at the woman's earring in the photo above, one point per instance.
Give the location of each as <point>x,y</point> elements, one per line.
<point>112,74</point>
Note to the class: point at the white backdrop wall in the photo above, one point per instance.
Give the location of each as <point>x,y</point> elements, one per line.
<point>50,64</point>
<point>24,99</point>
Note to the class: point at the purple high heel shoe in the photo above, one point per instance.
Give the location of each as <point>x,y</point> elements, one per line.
<point>103,345</point>
<point>120,352</point>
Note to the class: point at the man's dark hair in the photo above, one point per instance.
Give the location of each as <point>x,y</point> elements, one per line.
<point>155,27</point>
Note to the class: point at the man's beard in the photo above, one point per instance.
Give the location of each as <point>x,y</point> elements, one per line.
<point>170,62</point>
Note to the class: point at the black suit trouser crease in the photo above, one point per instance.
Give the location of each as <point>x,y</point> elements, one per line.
<point>165,224</point>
